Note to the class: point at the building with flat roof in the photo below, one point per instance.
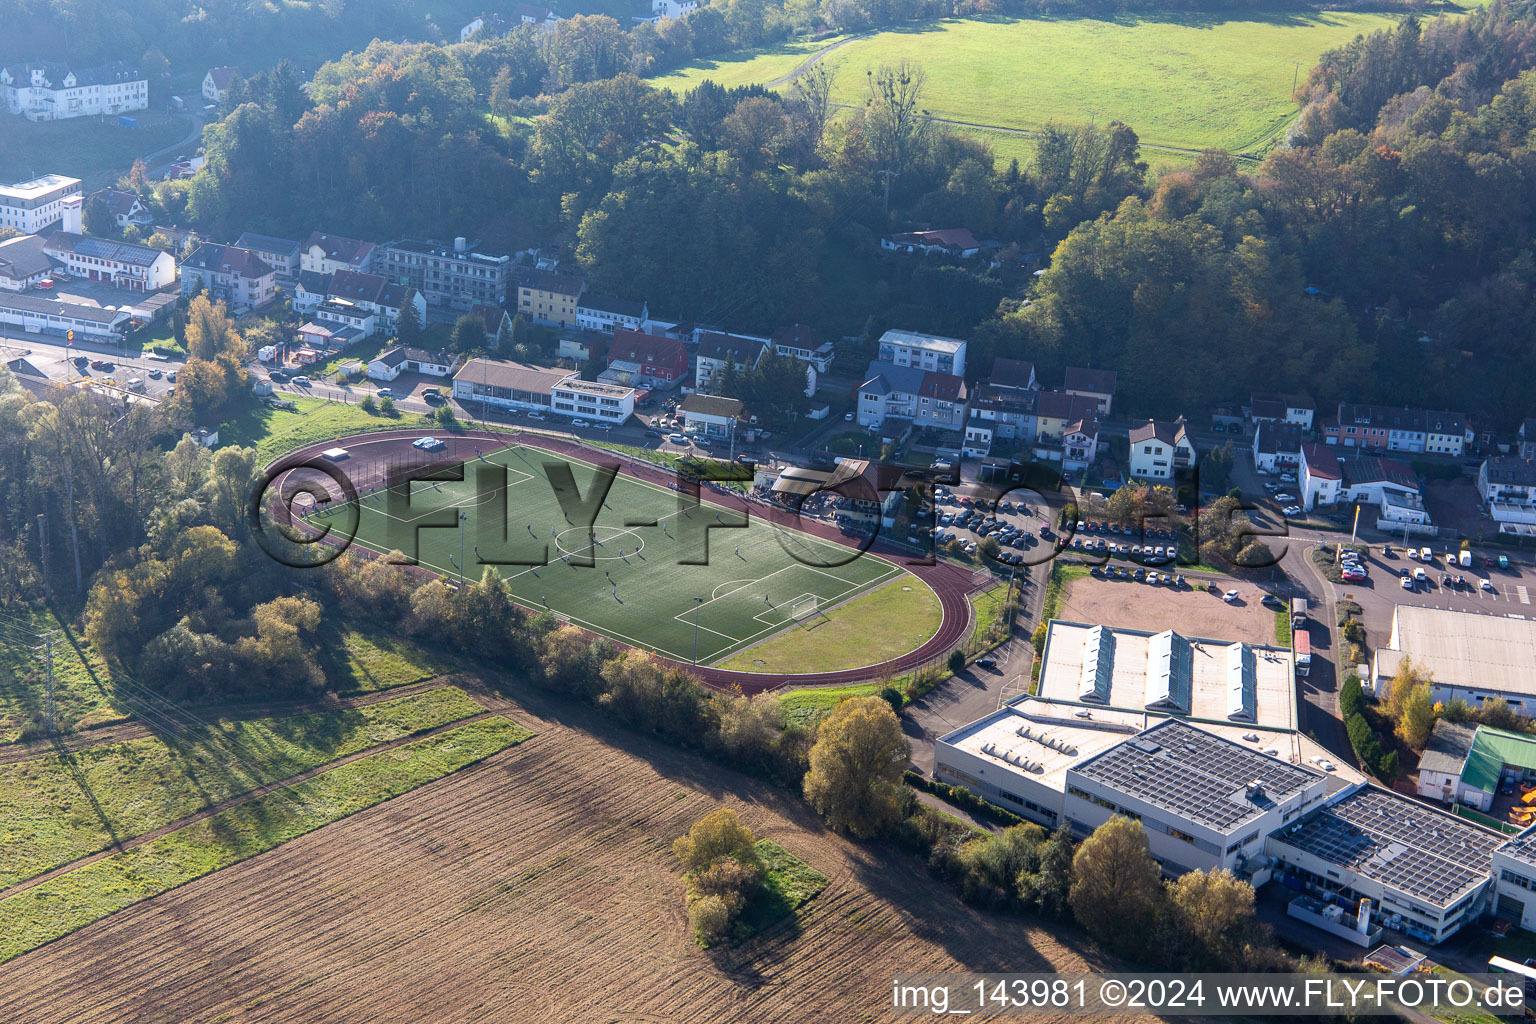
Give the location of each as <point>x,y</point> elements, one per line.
<point>1470,655</point>
<point>1204,801</point>
<point>709,415</point>
<point>600,402</point>
<point>458,276</point>
<point>1426,872</point>
<point>31,206</point>
<point>923,351</point>
<point>1514,880</point>
<point>1210,680</point>
<point>23,263</point>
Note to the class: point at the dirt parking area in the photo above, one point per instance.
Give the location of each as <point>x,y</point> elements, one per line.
<point>1195,613</point>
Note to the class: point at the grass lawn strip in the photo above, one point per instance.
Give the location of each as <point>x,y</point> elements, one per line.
<point>986,606</point>
<point>885,623</point>
<point>61,807</point>
<point>70,901</point>
<point>802,707</point>
<point>788,884</point>
<point>273,432</point>
<point>78,699</point>
<point>376,661</point>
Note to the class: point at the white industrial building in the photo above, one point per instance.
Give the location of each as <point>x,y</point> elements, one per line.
<point>1470,656</point>
<point>31,206</point>
<point>36,314</point>
<point>1169,673</point>
<point>1426,872</point>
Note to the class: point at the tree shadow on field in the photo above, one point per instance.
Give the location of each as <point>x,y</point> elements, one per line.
<point>1299,18</point>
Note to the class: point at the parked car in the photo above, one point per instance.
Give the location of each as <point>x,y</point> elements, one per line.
<point>1230,596</point>
<point>429,444</point>
<point>154,373</point>
<point>1406,582</point>
<point>302,381</point>
<point>386,392</point>
<point>986,662</point>
<point>1294,510</point>
<point>1488,586</point>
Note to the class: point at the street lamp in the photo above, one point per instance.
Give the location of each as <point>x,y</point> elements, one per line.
<point>696,602</point>
<point>463,518</point>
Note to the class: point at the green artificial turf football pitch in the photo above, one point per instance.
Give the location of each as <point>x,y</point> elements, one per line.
<point>640,583</point>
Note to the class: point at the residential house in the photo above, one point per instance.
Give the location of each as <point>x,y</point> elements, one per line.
<point>471,26</point>
<point>607,313</point>
<point>122,264</point>
<point>645,360</point>
<point>339,313</point>
<point>1160,448</point>
<point>541,18</point>
<point>378,295</point>
<point>1526,438</point>
<point>1398,430</point>
<point>309,290</point>
<point>460,277</point>
<point>1441,764</point>
<point>391,364</point>
<point>805,344</point>
<point>582,348</point>
<point>926,398</point>
<point>673,8</point>
<point>1294,409</point>
<point>316,338</point>
<point>924,351</point>
<point>126,208</point>
<point>1000,413</point>
<point>1328,478</point>
<point>594,400</point>
<point>507,385</point>
<point>1080,444</point>
<point>1055,411</point>
<point>548,297</point>
<point>957,242</point>
<point>1014,373</point>
<point>228,272</point>
<point>281,254</point>
<point>325,254</point>
<point>710,416</point>
<point>217,83</point>
<point>1321,477</point>
<point>1096,384</point>
<point>24,263</point>
<point>498,323</point>
<point>31,206</point>
<point>1277,445</point>
<point>54,92</point>
<point>717,351</point>
<point>1507,484</point>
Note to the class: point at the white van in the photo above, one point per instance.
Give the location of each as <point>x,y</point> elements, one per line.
<point>1426,555</point>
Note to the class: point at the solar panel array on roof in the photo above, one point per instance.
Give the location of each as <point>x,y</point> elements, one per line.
<point>1170,673</point>
<point>1242,683</point>
<point>122,252</point>
<point>1522,847</point>
<point>1197,775</point>
<point>1098,664</point>
<point>1425,853</point>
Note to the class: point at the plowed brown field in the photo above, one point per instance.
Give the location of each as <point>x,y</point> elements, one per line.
<point>537,886</point>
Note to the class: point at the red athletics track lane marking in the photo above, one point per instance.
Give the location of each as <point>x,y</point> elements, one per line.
<point>951,583</point>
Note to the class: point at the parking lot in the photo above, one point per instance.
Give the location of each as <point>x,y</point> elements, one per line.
<point>1508,591</point>
<point>1024,537</point>
<point>1194,612</point>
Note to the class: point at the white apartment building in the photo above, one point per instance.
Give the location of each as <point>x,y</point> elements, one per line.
<point>31,206</point>
<point>923,351</point>
<point>53,92</point>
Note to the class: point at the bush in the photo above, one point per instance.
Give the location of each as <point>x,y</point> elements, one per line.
<point>893,697</point>
<point>368,404</point>
<point>1387,768</point>
<point>956,661</point>
<point>1351,698</point>
<point>1354,632</point>
<point>387,406</point>
<point>709,917</point>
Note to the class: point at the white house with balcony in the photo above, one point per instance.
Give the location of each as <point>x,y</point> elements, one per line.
<point>1507,485</point>
<point>1159,448</point>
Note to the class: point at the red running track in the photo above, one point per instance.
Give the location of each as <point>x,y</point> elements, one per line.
<point>370,454</point>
